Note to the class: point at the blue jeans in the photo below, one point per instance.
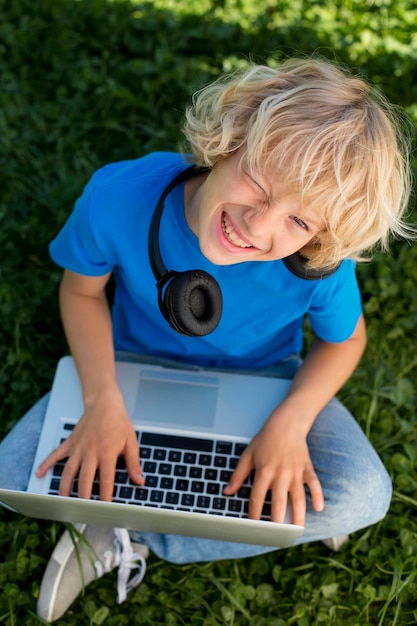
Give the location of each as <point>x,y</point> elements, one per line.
<point>356,486</point>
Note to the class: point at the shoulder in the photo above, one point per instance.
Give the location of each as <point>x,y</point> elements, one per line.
<point>345,274</point>
<point>338,287</point>
<point>153,169</point>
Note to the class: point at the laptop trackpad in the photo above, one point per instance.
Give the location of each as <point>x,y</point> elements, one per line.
<point>176,399</point>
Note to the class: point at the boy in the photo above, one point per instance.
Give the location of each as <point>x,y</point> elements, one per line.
<point>299,170</point>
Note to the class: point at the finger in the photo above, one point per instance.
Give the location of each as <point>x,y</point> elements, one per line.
<point>68,475</point>
<point>87,473</point>
<point>298,504</point>
<point>242,471</point>
<point>261,484</point>
<point>56,455</point>
<point>107,474</point>
<point>279,501</point>
<point>133,462</point>
<point>316,491</point>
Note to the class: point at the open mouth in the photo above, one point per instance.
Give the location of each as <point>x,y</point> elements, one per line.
<point>231,235</point>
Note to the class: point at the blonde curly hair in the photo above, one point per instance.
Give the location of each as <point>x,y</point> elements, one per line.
<point>336,140</point>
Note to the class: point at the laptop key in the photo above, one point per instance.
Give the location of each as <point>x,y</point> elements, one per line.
<point>121,477</point>
<point>157,496</point>
<point>187,499</point>
<point>203,502</point>
<point>224,447</point>
<point>141,493</point>
<point>239,448</point>
<point>195,472</point>
<point>210,474</point>
<point>225,476</point>
<point>176,441</point>
<point>125,492</point>
<point>266,510</point>
<point>145,453</point>
<point>244,492</point>
<point>151,481</point>
<point>54,484</point>
<point>120,463</point>
<point>172,498</point>
<point>197,486</point>
<point>58,469</point>
<point>234,506</point>
<point>181,484</point>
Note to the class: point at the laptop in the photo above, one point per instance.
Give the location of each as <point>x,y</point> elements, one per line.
<point>192,426</point>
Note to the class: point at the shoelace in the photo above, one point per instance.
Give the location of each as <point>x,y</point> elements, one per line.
<point>126,560</point>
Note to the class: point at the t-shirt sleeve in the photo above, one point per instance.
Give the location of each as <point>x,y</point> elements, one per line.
<point>337,306</point>
<point>76,246</point>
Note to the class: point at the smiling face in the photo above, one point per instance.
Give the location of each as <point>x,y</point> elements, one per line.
<point>240,216</point>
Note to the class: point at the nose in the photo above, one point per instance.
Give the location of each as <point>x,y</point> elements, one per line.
<point>261,221</point>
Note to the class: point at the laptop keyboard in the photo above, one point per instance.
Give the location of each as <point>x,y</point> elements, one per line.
<point>181,473</point>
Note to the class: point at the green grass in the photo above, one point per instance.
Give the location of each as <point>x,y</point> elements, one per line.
<point>87,82</point>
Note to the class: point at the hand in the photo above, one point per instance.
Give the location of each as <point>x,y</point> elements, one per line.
<point>281,460</point>
<point>103,433</point>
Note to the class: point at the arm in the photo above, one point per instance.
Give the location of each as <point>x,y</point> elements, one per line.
<point>279,453</point>
<point>104,431</point>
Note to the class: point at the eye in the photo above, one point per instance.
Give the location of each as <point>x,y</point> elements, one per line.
<point>260,192</point>
<point>299,222</point>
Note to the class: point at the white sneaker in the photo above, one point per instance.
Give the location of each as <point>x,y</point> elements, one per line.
<point>83,554</point>
<point>335,543</point>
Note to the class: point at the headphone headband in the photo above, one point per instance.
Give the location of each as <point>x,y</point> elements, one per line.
<point>190,301</point>
<point>296,263</point>
<point>158,266</point>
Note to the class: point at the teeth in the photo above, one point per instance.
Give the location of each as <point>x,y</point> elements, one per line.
<point>232,235</point>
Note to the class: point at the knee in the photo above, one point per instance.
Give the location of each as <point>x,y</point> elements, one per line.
<point>18,448</point>
<point>363,496</point>
<point>357,488</point>
<point>374,491</point>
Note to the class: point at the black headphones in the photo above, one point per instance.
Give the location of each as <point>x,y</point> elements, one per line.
<point>192,300</point>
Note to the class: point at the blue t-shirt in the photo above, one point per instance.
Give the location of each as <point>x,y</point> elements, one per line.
<point>264,304</point>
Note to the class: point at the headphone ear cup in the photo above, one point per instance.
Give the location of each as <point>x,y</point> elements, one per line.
<point>193,303</point>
